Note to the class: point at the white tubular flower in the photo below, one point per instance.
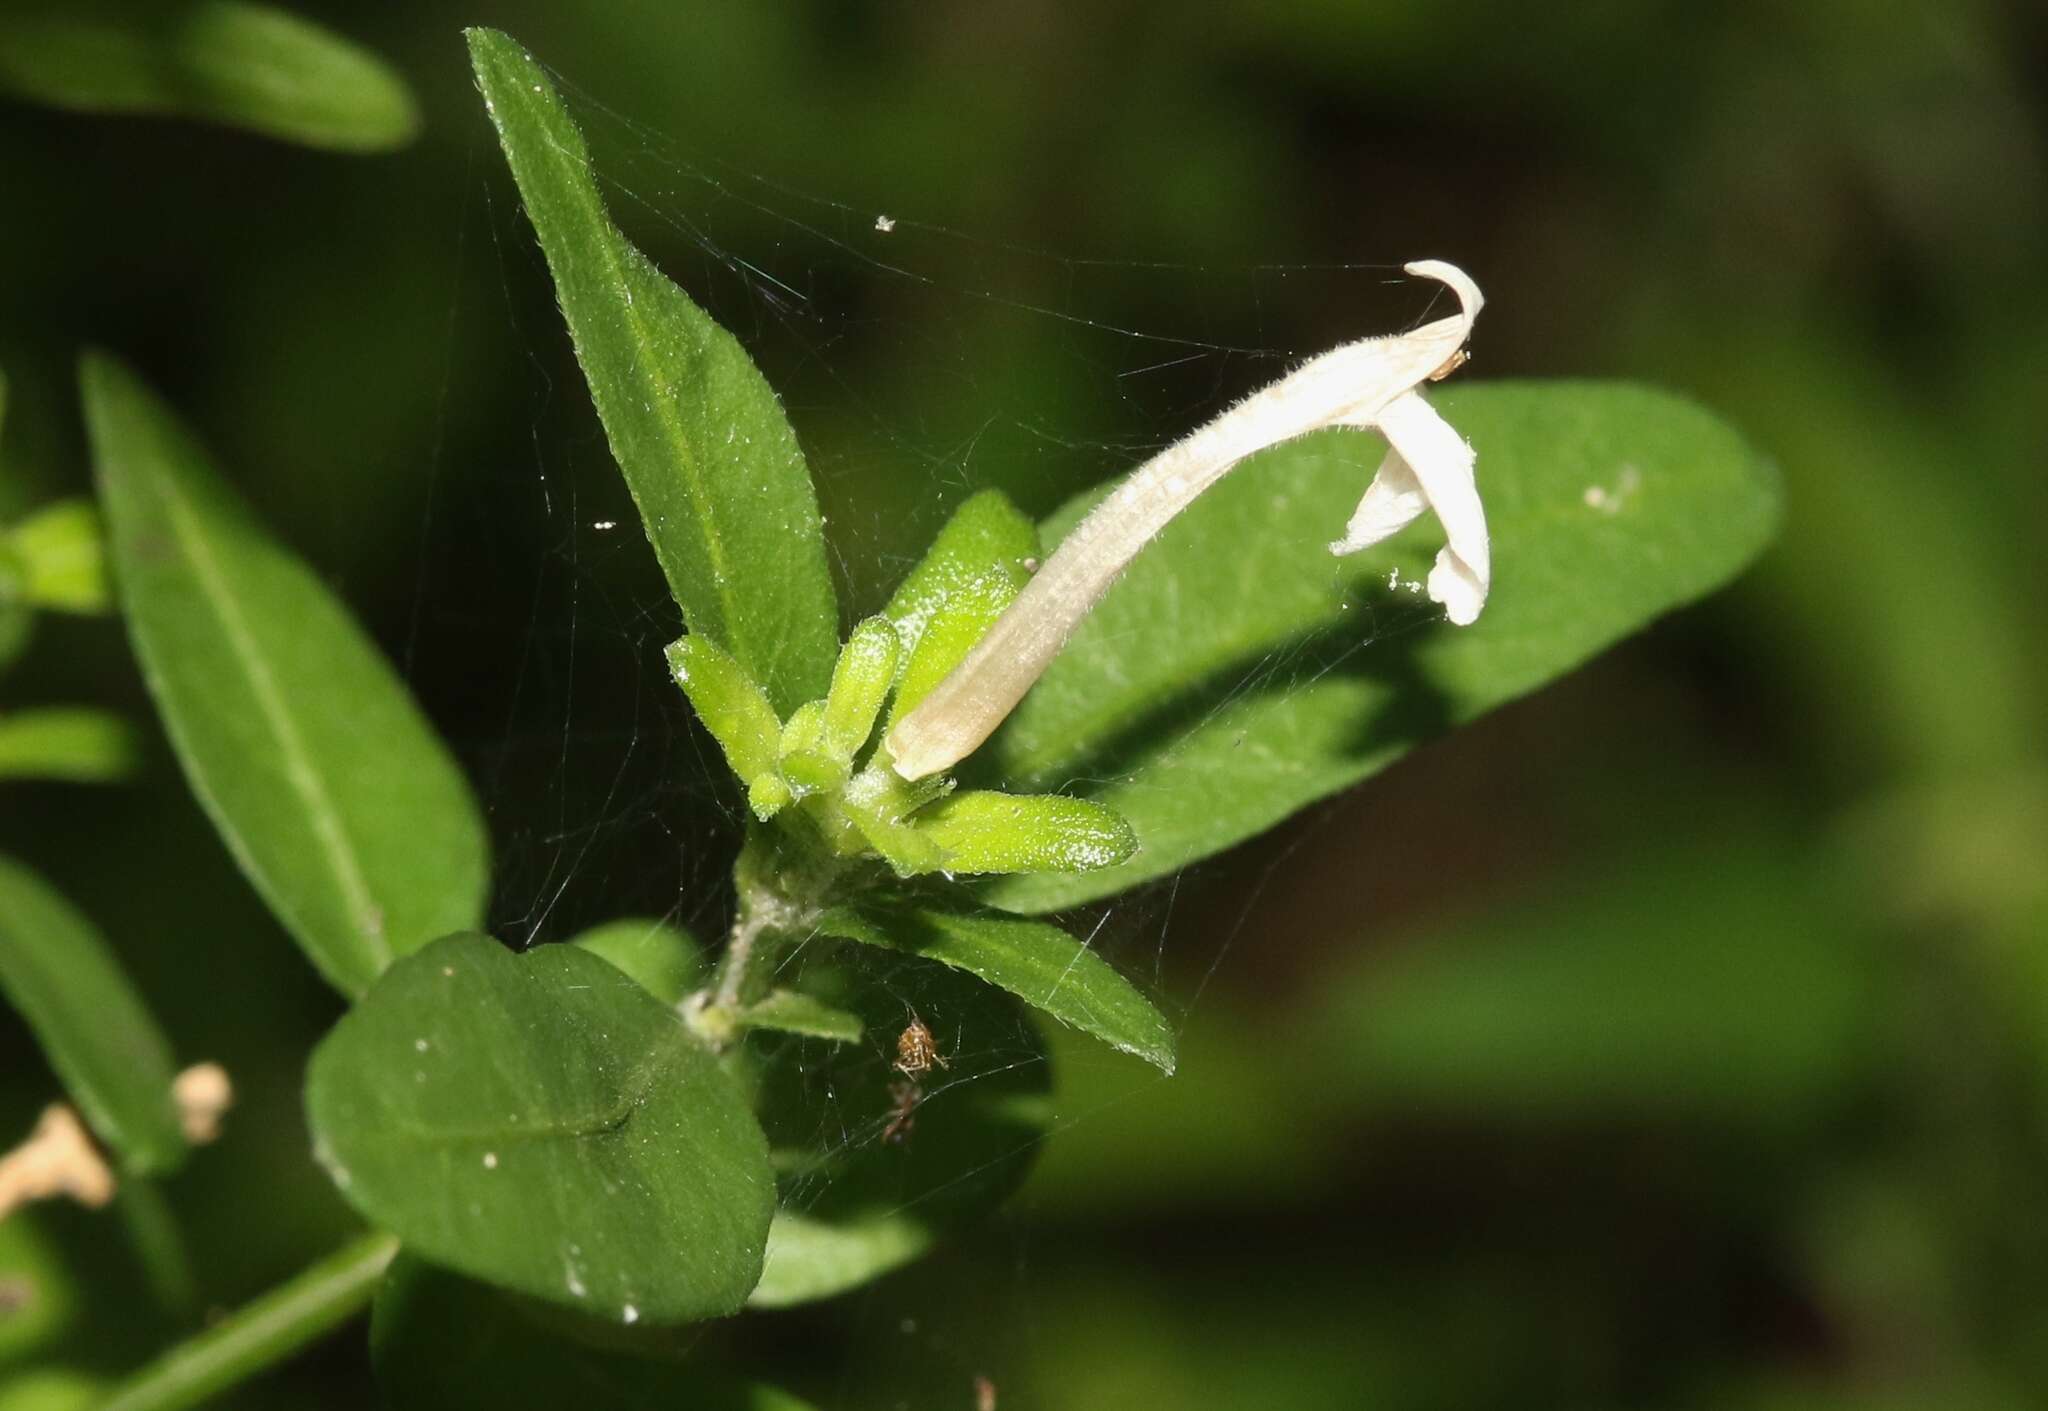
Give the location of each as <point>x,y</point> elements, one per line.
<point>1368,384</point>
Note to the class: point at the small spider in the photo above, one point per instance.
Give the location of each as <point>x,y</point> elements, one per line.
<point>904,1096</point>
<point>917,1053</point>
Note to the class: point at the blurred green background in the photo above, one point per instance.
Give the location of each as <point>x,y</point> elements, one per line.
<point>1675,1038</point>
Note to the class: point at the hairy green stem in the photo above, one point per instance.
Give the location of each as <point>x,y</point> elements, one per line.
<point>261,1333</point>
<point>782,873</point>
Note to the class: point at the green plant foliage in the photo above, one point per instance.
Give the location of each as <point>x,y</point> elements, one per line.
<point>267,1329</point>
<point>985,533</point>
<point>732,706</point>
<point>1233,677</point>
<point>62,550</point>
<point>248,66</point>
<point>722,488</point>
<point>72,743</point>
<point>328,785</point>
<point>542,1123</point>
<point>92,1026</point>
<point>44,1300</point>
<point>443,1343</point>
<point>860,683</point>
<point>856,1199</point>
<point>986,831</point>
<point>52,1389</point>
<point>793,1012</point>
<point>951,631</point>
<point>1038,963</point>
<point>663,958</point>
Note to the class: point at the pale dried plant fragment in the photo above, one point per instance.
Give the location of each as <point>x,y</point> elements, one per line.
<point>1370,384</point>
<point>58,1159</point>
<point>203,1094</point>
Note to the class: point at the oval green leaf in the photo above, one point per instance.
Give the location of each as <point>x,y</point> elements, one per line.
<point>542,1123</point>
<point>862,1191</point>
<point>663,958</point>
<point>247,66</point>
<point>443,1343</point>
<point>1233,677</point>
<point>712,463</point>
<point>326,782</point>
<point>115,1063</point>
<point>1038,963</point>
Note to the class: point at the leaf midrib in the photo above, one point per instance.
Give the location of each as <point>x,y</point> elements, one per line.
<point>634,1088</point>
<point>659,406</point>
<point>300,772</point>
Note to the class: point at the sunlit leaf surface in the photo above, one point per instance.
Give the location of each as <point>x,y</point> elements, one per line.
<point>1238,672</point>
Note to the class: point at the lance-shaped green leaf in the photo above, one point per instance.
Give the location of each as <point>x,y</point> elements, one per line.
<point>711,461</point>
<point>444,1343</point>
<point>542,1123</point>
<point>951,631</point>
<point>105,1047</point>
<point>62,550</point>
<point>75,744</point>
<point>248,66</point>
<point>984,831</point>
<point>860,683</point>
<point>660,956</point>
<point>986,532</point>
<point>801,755</point>
<point>1038,963</point>
<point>873,1167</point>
<point>794,1012</point>
<point>736,711</point>
<point>303,746</point>
<point>974,569</point>
<point>1237,673</point>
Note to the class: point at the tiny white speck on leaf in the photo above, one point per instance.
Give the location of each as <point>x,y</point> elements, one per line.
<point>490,1161</point>
<point>630,1314</point>
<point>420,1045</point>
<point>885,224</point>
<point>602,525</point>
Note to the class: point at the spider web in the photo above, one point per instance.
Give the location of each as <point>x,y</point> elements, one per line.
<point>919,363</point>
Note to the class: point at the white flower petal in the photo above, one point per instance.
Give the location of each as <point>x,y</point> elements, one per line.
<point>1392,502</point>
<point>1442,463</point>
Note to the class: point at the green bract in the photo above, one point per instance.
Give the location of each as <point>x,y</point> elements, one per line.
<point>848,799</point>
